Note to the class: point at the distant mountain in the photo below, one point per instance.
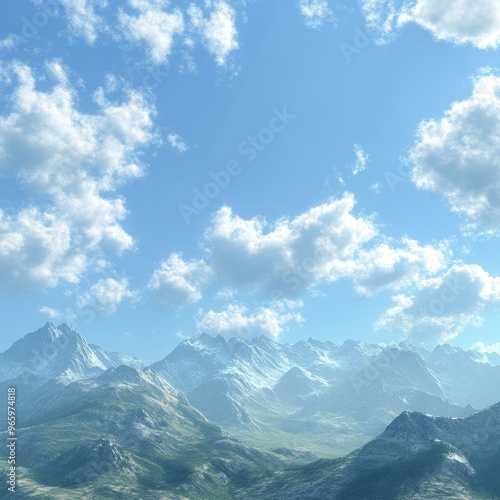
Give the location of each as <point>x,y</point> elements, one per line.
<point>317,397</point>
<point>301,393</point>
<point>103,425</point>
<point>57,352</point>
<point>127,434</point>
<point>417,457</point>
<point>468,377</point>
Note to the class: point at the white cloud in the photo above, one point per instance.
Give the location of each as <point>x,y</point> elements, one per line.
<point>292,255</point>
<point>9,42</point>
<point>36,251</point>
<point>382,18</point>
<point>177,143</point>
<point>237,321</point>
<point>282,261</point>
<point>82,17</point>
<point>50,312</point>
<point>106,295</point>
<point>316,13</point>
<point>386,267</point>
<point>458,156</point>
<point>217,30</point>
<point>70,163</point>
<point>178,283</point>
<point>486,349</point>
<point>153,26</point>
<point>476,22</point>
<point>461,21</point>
<point>361,160</point>
<point>443,307</point>
<point>322,245</point>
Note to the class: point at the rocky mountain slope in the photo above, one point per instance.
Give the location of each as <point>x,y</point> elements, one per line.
<point>126,434</point>
<point>265,391</point>
<point>417,457</point>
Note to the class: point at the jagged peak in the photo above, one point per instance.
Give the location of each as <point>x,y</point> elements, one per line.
<point>445,348</point>
<point>206,339</point>
<point>66,328</point>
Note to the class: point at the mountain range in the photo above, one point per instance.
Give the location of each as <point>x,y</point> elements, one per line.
<point>126,433</point>
<point>270,393</point>
<point>223,418</point>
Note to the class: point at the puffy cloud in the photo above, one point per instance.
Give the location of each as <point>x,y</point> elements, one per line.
<point>292,255</point>
<point>461,21</point>
<point>9,42</point>
<point>178,283</point>
<point>70,163</point>
<point>458,156</point>
<point>443,307</point>
<point>324,244</point>
<point>177,143</point>
<point>486,349</point>
<point>81,16</point>
<point>237,321</point>
<point>153,26</point>
<point>476,22</point>
<point>316,13</point>
<point>361,160</point>
<point>218,30</point>
<point>106,295</point>
<point>50,312</point>
<point>386,267</point>
<point>282,261</point>
<point>36,251</point>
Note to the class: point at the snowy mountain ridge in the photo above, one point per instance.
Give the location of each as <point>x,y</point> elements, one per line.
<point>59,352</point>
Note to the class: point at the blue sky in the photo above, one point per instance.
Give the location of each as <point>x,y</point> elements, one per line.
<point>356,200</point>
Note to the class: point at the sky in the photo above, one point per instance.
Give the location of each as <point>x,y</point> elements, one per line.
<point>292,169</point>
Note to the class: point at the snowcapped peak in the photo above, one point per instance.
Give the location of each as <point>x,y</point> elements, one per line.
<point>121,373</point>
<point>444,349</point>
<point>55,351</point>
<point>350,344</point>
<point>65,328</point>
<point>49,330</point>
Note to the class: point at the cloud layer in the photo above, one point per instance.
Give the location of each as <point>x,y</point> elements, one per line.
<point>282,261</point>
